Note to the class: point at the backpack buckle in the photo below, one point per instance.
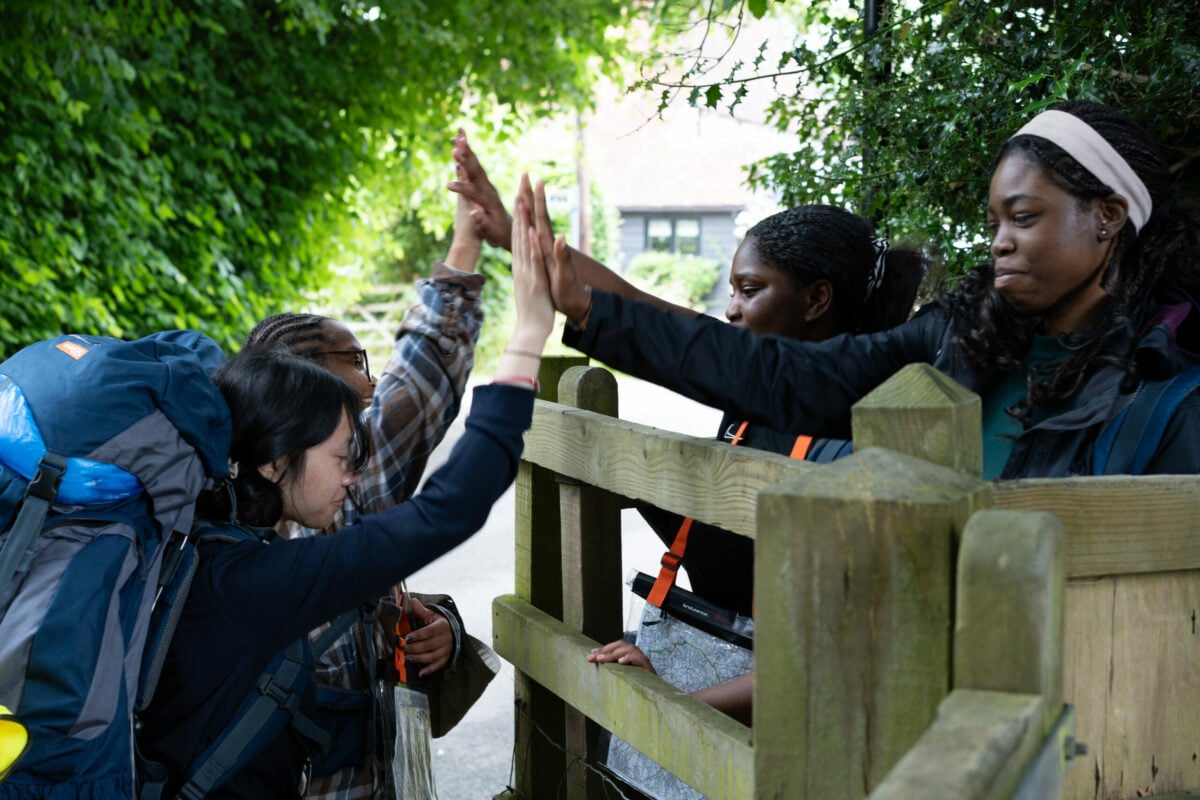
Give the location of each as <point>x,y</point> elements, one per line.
<point>50,470</point>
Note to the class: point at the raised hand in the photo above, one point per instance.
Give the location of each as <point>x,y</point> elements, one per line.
<point>531,288</point>
<point>571,296</point>
<point>466,244</point>
<point>492,222</point>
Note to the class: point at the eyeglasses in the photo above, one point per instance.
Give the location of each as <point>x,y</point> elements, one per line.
<point>361,363</point>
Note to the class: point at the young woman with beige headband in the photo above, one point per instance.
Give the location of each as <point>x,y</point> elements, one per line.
<point>1088,294</point>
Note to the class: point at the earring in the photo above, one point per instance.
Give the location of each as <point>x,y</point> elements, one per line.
<point>1104,233</point>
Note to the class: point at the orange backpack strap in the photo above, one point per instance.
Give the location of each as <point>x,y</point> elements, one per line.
<point>670,566</point>
<point>800,448</point>
<point>403,629</point>
<point>671,559</point>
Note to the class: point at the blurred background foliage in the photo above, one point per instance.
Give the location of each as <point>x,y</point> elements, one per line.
<point>204,163</point>
<point>898,107</point>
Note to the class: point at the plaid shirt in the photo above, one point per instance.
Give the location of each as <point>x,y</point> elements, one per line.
<point>416,398</point>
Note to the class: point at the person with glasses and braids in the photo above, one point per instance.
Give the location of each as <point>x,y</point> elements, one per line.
<point>1088,296</point>
<point>407,410</point>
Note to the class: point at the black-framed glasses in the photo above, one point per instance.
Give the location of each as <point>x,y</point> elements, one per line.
<point>358,354</point>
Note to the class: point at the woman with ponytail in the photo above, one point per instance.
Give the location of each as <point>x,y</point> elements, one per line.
<point>806,273</point>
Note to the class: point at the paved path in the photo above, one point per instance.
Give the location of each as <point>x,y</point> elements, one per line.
<point>474,761</point>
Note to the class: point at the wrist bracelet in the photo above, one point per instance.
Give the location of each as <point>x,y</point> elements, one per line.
<point>526,353</point>
<point>525,379</point>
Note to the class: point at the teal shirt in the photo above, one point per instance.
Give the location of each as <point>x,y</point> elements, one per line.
<point>999,429</point>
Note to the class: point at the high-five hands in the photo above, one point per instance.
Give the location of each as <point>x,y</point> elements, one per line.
<point>492,222</point>
<point>570,295</point>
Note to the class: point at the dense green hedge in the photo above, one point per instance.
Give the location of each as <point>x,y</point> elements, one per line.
<point>902,122</point>
<point>200,164</point>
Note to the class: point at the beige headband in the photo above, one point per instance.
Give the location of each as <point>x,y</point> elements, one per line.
<point>1096,155</point>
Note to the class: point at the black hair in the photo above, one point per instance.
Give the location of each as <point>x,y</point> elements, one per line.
<point>1164,257</point>
<point>281,405</point>
<point>299,333</point>
<point>817,242</point>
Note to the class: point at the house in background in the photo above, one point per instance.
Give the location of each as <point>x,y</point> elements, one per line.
<point>679,182</point>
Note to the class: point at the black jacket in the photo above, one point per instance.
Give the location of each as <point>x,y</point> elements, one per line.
<point>249,600</point>
<point>810,386</point>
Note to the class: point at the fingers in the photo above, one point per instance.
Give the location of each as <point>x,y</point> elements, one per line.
<point>421,612</point>
<point>431,646</point>
<point>541,216</point>
<point>620,652</point>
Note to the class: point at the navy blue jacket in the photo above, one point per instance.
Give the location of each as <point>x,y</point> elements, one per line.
<point>250,600</point>
<point>809,387</point>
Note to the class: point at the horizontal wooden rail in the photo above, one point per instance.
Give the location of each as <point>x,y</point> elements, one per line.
<point>673,471</point>
<point>653,716</point>
<point>1116,525</point>
<point>970,751</point>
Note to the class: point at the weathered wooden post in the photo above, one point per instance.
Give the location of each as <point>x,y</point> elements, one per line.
<point>921,412</point>
<point>591,565</point>
<point>853,570</point>
<point>538,713</point>
<point>1008,650</point>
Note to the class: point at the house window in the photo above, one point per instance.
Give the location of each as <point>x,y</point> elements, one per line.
<point>673,235</point>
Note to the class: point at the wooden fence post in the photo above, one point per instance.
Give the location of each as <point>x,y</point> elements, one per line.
<point>539,715</point>
<point>1008,650</point>
<point>853,574</point>
<point>922,412</point>
<point>591,566</point>
<point>853,577</point>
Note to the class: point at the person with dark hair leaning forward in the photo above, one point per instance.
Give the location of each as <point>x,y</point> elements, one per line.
<point>407,409</point>
<point>298,441</point>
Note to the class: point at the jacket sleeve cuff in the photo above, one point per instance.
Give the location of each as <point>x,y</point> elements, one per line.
<point>444,273</point>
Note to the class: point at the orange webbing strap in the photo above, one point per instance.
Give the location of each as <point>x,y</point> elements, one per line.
<point>800,448</point>
<point>403,629</point>
<point>670,566</point>
<point>674,557</point>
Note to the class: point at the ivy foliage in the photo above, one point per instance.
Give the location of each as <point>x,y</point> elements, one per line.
<point>899,107</point>
<point>203,163</point>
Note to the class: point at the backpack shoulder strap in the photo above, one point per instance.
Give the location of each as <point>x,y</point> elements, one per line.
<point>1131,438</point>
<point>275,701</point>
<point>40,494</point>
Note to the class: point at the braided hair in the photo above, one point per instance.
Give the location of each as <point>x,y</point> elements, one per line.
<point>818,242</point>
<point>281,405</point>
<point>297,333</point>
<point>1161,260</point>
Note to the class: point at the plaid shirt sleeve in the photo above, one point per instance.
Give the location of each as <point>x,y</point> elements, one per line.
<point>417,397</point>
<point>421,388</point>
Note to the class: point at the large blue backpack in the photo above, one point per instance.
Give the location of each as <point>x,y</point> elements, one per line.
<point>1130,439</point>
<point>104,446</point>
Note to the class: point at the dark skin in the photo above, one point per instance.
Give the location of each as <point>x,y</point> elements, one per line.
<point>765,299</point>
<point>1049,251</point>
